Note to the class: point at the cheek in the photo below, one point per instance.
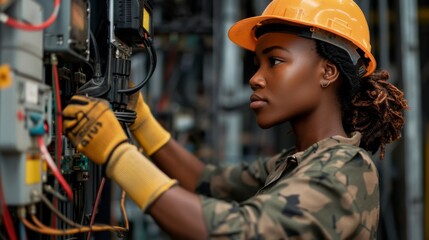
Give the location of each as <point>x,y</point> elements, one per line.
<point>297,91</point>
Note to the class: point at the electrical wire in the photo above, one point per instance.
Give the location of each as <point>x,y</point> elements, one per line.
<point>23,235</point>
<point>54,217</point>
<point>58,213</point>
<point>78,227</point>
<point>38,222</point>
<point>56,194</point>
<point>6,216</point>
<point>59,122</point>
<point>4,18</point>
<point>58,112</point>
<point>43,229</point>
<point>153,60</point>
<point>97,201</point>
<point>124,212</point>
<point>126,117</point>
<point>54,168</point>
<point>97,72</point>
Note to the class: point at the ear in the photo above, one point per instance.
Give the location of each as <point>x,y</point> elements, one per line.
<point>330,74</point>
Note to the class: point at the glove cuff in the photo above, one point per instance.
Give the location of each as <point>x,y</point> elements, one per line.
<point>138,176</point>
<point>150,135</point>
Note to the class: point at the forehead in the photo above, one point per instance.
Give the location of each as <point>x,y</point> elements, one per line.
<point>285,40</point>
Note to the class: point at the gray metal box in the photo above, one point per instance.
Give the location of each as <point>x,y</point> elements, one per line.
<point>20,160</point>
<point>68,36</point>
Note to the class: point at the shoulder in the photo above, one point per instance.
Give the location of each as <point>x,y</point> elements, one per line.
<point>336,157</point>
<point>349,168</point>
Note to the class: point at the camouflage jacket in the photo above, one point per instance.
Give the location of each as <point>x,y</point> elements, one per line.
<point>328,191</point>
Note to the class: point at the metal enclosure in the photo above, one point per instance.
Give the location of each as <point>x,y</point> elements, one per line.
<point>25,107</point>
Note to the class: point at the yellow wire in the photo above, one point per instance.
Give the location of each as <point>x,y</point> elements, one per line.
<point>124,212</point>
<point>76,225</point>
<point>43,229</point>
<point>37,222</point>
<point>58,213</point>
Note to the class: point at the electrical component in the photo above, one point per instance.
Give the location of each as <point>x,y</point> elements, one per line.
<point>133,21</point>
<point>30,27</point>
<point>34,86</point>
<point>25,106</point>
<point>81,167</point>
<point>54,168</point>
<point>68,37</point>
<point>5,76</point>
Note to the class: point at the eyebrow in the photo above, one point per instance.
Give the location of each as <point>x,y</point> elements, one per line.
<point>269,49</point>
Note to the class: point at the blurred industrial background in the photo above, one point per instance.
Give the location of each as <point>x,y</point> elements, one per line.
<point>199,90</point>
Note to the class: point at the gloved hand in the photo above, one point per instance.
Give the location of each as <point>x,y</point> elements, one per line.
<point>150,135</point>
<point>92,127</point>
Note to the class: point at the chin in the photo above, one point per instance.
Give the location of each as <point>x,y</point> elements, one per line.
<point>268,123</point>
<point>265,125</point>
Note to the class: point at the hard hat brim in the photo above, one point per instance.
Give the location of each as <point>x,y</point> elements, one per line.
<point>242,34</point>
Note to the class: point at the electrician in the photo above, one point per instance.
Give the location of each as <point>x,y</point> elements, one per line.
<point>315,70</point>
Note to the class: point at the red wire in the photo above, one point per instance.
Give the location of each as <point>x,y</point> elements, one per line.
<point>59,125</point>
<point>94,209</point>
<point>53,167</point>
<point>6,216</point>
<point>59,117</point>
<point>29,27</point>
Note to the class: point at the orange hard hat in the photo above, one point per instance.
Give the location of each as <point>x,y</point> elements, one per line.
<point>339,22</point>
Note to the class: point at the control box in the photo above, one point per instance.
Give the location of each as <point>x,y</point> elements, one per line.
<point>25,106</point>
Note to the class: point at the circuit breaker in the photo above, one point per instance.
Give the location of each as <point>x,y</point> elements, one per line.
<point>25,107</point>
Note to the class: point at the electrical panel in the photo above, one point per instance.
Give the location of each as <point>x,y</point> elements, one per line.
<point>50,51</point>
<point>25,108</point>
<point>69,36</point>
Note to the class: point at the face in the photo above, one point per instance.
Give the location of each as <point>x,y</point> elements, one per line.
<point>287,83</point>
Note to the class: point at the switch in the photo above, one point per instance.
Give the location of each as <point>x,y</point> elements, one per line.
<point>38,124</point>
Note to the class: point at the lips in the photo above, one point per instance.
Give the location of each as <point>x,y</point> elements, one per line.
<point>257,102</point>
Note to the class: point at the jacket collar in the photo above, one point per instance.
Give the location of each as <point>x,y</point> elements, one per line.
<point>323,144</point>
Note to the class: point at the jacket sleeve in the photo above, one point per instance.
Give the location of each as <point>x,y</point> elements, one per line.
<point>235,182</point>
<point>315,203</point>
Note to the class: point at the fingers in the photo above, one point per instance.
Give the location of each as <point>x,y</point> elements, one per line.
<point>78,100</point>
<point>79,113</point>
<point>76,124</point>
<point>84,100</point>
<point>82,103</point>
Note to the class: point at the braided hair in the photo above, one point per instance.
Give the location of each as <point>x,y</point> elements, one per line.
<point>370,105</point>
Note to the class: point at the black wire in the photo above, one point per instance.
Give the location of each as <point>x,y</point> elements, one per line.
<point>97,72</point>
<point>153,59</point>
<point>95,45</point>
<point>82,212</point>
<point>126,117</point>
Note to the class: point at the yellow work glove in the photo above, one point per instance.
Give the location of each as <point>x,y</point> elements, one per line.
<point>147,131</point>
<point>92,127</point>
<point>137,175</point>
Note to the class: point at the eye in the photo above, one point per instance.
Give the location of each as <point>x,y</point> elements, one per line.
<point>274,61</point>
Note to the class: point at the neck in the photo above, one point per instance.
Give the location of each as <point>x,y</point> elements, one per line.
<point>320,124</point>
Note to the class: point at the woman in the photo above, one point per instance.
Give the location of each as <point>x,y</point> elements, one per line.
<point>315,70</point>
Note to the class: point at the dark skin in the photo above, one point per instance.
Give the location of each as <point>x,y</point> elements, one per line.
<point>286,87</point>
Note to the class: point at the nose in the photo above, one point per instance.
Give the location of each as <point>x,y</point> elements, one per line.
<point>257,81</point>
